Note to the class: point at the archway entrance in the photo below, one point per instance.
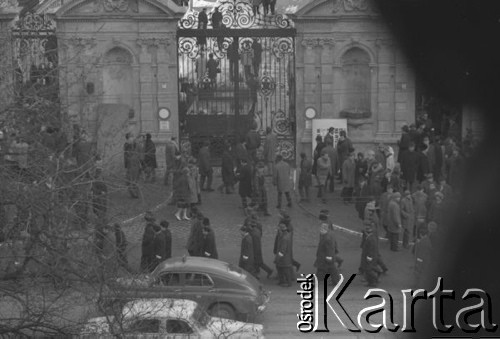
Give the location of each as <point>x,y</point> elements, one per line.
<point>234,76</point>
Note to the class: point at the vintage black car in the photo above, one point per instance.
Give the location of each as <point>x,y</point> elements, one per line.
<point>222,289</point>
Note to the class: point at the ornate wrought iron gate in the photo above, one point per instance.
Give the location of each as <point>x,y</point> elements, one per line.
<point>236,75</point>
<point>34,51</point>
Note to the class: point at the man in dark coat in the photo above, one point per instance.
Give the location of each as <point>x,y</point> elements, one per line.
<point>170,150</point>
<point>282,180</point>
<point>194,243</point>
<point>325,256</point>
<point>252,142</point>
<point>203,19</point>
<point>285,219</point>
<point>205,166</point>
<point>283,257</point>
<point>361,167</point>
<point>216,18</point>
<point>247,256</point>
<point>404,142</point>
<point>227,171</point>
<point>305,177</point>
<point>256,233</point>
<point>423,163</point>
<point>369,255</point>
<point>209,246</point>
<point>244,176</point>
<point>148,253</point>
<point>132,162</point>
<point>344,147</point>
<point>150,158</point>
<point>409,166</point>
<point>167,250</point>
<point>121,246</point>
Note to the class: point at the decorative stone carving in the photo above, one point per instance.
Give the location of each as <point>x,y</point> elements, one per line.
<point>115,5</point>
<point>318,42</point>
<point>154,42</point>
<point>351,6</point>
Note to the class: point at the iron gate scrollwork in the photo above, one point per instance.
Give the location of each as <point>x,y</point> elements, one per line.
<point>235,77</point>
<point>34,47</point>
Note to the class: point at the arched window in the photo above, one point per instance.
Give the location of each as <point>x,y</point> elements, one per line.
<point>356,82</point>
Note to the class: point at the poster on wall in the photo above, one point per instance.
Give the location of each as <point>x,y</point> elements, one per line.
<point>321,126</point>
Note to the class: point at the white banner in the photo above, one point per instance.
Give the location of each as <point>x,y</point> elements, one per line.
<point>321,126</point>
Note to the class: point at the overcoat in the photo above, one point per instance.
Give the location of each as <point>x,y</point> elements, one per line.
<point>393,216</point>
<point>282,176</point>
<point>209,249</point>
<point>247,256</point>
<point>349,172</point>
<point>407,213</point>
<point>150,154</point>
<point>204,160</point>
<point>256,234</point>
<point>245,179</point>
<point>148,250</point>
<point>284,247</point>
<point>305,173</point>
<point>326,248</point>
<point>195,239</point>
<point>409,165</point>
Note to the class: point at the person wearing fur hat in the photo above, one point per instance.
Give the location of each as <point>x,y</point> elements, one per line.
<point>148,254</point>
<point>394,225</point>
<point>246,261</point>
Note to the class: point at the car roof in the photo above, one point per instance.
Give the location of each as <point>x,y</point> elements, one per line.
<point>202,265</point>
<point>160,307</point>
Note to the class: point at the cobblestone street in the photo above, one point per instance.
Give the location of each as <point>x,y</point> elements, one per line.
<point>226,214</point>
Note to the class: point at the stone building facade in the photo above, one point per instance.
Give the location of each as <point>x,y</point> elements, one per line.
<point>118,69</point>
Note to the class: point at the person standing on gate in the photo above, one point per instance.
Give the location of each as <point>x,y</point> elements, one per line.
<point>213,69</point>
<point>270,150</point>
<point>216,18</point>
<point>282,181</point>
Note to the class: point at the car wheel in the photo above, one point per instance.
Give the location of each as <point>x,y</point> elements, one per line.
<point>223,311</point>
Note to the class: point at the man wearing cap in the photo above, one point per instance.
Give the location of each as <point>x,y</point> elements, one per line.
<point>285,219</point>
<point>324,218</point>
<point>394,225</point>
<point>283,256</point>
<point>407,217</point>
<point>325,256</point>
<point>246,261</point>
<point>148,254</point>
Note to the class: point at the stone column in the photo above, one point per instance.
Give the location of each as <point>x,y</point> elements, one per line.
<point>386,90</point>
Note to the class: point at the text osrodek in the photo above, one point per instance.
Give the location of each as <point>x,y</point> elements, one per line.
<point>480,307</point>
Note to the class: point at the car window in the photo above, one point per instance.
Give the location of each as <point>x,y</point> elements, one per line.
<point>144,326</point>
<point>198,279</point>
<point>169,279</point>
<point>178,326</point>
